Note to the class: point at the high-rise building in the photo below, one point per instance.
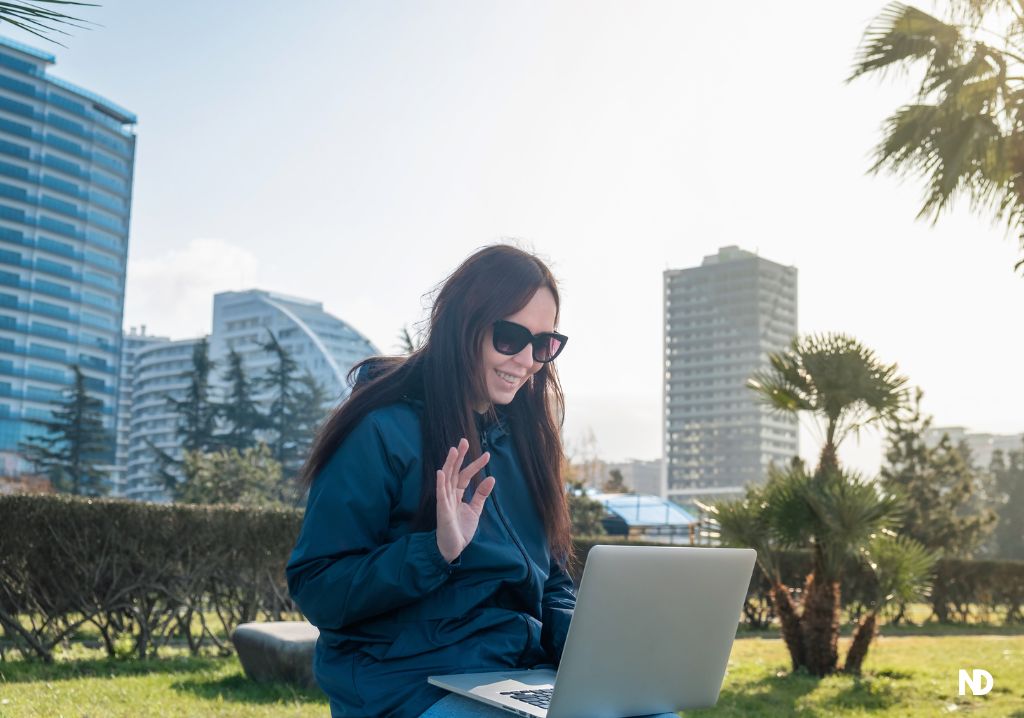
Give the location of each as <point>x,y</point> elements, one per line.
<point>320,343</point>
<point>722,319</point>
<point>162,371</point>
<point>66,162</point>
<point>131,343</point>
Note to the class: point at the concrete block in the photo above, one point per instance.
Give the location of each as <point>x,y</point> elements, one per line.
<point>277,651</point>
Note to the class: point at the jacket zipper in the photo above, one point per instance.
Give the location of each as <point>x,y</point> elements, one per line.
<point>515,539</point>
<point>511,533</point>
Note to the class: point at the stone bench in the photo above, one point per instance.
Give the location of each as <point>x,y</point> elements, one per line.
<point>277,651</point>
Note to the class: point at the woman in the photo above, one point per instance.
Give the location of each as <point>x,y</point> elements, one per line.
<point>414,560</point>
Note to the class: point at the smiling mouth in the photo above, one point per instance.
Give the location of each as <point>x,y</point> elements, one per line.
<point>509,379</point>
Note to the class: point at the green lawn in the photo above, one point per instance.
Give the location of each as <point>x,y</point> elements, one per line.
<point>906,676</point>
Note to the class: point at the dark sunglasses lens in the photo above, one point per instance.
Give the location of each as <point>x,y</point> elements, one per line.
<point>509,338</point>
<point>546,348</point>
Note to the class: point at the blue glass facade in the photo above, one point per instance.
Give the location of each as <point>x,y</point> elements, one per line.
<point>66,163</point>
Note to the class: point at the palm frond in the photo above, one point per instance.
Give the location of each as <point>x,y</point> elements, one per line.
<point>34,17</point>
<point>900,36</point>
<point>902,566</point>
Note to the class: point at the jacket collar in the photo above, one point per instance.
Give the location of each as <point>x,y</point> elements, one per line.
<point>493,428</point>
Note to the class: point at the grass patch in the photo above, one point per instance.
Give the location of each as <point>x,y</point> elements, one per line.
<point>905,677</point>
<point>176,685</point>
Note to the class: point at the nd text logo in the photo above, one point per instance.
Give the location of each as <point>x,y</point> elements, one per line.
<point>979,681</point>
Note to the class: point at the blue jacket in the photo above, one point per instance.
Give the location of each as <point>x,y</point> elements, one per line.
<point>391,611</point>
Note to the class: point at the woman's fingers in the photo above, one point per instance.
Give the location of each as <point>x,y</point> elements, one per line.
<point>473,469</point>
<point>449,462</point>
<point>444,503</point>
<point>483,490</point>
<point>463,449</point>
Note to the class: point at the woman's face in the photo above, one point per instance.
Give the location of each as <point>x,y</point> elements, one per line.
<point>503,374</point>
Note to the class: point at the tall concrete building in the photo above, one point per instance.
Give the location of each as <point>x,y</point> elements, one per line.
<point>66,162</point>
<point>721,321</point>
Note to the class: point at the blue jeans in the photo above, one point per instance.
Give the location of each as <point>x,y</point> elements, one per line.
<point>456,706</point>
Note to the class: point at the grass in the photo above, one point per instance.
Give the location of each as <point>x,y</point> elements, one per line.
<point>905,676</point>
<point>85,684</point>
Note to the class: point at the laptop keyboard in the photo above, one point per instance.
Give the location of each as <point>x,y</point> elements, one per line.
<point>541,698</point>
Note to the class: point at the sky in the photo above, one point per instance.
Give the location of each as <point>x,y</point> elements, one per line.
<point>356,152</point>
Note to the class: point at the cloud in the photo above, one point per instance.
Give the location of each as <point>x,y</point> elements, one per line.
<point>172,293</point>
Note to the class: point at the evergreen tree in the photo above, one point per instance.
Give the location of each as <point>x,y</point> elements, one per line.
<point>281,382</point>
<point>240,411</point>
<point>309,411</point>
<point>196,418</point>
<point>75,443</point>
<point>197,412</point>
<point>1008,472</point>
<point>941,488</point>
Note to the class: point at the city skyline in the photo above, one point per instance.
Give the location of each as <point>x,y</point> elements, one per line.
<point>594,134</point>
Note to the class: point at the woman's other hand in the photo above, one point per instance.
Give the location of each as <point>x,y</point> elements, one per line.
<point>457,519</point>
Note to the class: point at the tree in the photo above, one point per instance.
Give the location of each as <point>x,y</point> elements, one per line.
<point>584,512</point>
<point>297,406</point>
<point>836,379</point>
<point>939,485</point>
<point>40,20</point>
<point>309,411</point>
<point>962,132</point>
<point>75,443</point>
<point>1008,472</point>
<point>902,569</point>
<point>837,515</point>
<point>615,483</point>
<point>406,344</point>
<point>197,412</point>
<point>240,411</point>
<point>248,478</point>
<point>282,382</point>
<point>833,513</point>
<point>196,421</point>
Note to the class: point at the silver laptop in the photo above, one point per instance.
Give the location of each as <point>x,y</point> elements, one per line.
<point>651,633</point>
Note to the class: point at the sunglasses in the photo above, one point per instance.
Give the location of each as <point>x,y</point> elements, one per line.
<point>510,338</point>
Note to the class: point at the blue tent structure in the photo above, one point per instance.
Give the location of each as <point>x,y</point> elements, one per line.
<point>644,516</point>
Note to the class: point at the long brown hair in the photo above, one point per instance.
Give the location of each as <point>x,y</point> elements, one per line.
<point>491,284</point>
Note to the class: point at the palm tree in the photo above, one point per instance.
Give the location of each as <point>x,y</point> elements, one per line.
<point>902,569</point>
<point>833,513</point>
<point>962,134</point>
<point>40,21</point>
<point>836,379</point>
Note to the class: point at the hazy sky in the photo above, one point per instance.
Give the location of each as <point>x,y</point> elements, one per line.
<point>356,152</point>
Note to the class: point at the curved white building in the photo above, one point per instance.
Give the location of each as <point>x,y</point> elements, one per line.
<point>321,343</point>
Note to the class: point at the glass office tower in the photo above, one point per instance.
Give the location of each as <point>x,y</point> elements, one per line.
<point>66,162</point>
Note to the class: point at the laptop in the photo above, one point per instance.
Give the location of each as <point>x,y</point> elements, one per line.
<point>651,633</point>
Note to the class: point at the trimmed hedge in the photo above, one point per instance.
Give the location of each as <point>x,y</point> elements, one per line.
<point>144,574</point>
<point>963,591</point>
<point>145,571</point>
